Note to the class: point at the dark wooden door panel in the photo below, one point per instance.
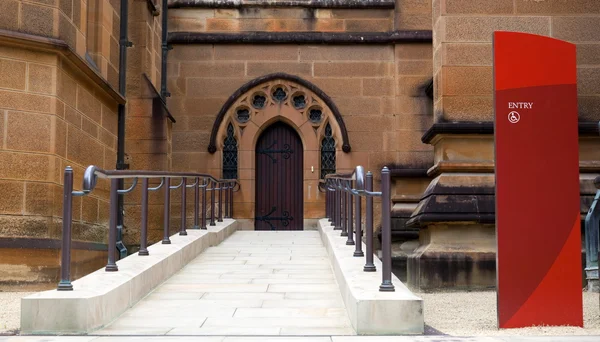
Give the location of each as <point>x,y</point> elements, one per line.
<point>279,177</point>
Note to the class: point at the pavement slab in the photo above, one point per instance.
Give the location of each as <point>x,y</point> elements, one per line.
<point>252,284</point>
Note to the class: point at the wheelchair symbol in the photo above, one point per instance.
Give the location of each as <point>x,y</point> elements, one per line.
<point>514,117</point>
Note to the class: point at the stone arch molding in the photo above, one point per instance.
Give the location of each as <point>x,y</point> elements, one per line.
<point>279,97</point>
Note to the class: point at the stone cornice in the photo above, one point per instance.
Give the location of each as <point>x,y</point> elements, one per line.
<point>342,4</point>
<point>586,128</point>
<point>355,38</point>
<point>62,48</point>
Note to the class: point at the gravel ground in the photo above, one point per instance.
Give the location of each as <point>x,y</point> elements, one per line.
<point>10,311</point>
<point>474,314</point>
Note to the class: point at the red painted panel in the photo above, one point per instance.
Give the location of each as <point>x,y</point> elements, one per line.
<point>537,181</point>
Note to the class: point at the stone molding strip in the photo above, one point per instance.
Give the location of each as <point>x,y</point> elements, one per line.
<point>212,146</point>
<point>100,297</point>
<point>62,48</point>
<point>586,128</point>
<point>340,38</point>
<point>371,312</point>
<point>341,4</point>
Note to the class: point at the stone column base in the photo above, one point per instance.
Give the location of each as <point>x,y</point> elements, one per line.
<point>456,257</point>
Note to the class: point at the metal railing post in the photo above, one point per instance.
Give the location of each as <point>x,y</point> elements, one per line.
<point>144,228</point>
<point>203,221</point>
<point>350,240</point>
<point>343,211</point>
<point>212,203</point>
<point>65,257</point>
<point>232,185</point>
<point>369,266</point>
<point>220,216</point>
<point>358,229</point>
<point>386,234</point>
<point>226,195</point>
<point>196,202</point>
<point>182,231</point>
<point>112,229</point>
<point>167,218</point>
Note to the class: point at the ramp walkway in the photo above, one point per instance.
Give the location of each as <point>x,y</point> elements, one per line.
<point>253,283</point>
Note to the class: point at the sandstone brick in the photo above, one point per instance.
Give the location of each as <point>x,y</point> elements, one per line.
<point>149,162</point>
<point>66,6</point>
<point>89,127</point>
<point>72,116</point>
<point>558,7</point>
<point>191,53</point>
<point>88,104</point>
<point>406,105</point>
<point>467,54</point>
<point>67,89</point>
<point>346,53</point>
<point>23,226</point>
<point>38,198</point>
<point>368,123</point>
<point>12,197</point>
<point>212,87</point>
<point>148,146</point>
<point>436,10</point>
<point>212,69</point>
<point>9,16</point>
<point>418,123</point>
<point>190,141</point>
<point>327,25</point>
<point>479,6</point>
<point>26,54</point>
<point>423,67</point>
<point>356,69</point>
<point>25,102</point>
<point>107,138</point>
<point>409,21</point>
<point>89,209</point>
<point>414,6</point>
<point>28,132</point>
<point>414,51</point>
<point>361,14</point>
<point>467,81</point>
<point>13,74</point>
<point>145,128</point>
<point>24,166</point>
<point>368,25</point>
<point>416,159</point>
<point>589,108</point>
<point>36,19</point>
<point>261,53</point>
<point>339,86</point>
<point>411,85</point>
<point>467,108</point>
<point>576,29</point>
<point>587,81</point>
<point>378,87</point>
<point>177,86</point>
<point>83,149</point>
<point>588,54</point>
<point>42,78</point>
<point>480,29</point>
<point>77,14</point>
<point>357,105</point>
<point>256,69</point>
<point>187,25</point>
<point>193,13</point>
<point>364,141</point>
<point>67,31</point>
<point>60,139</point>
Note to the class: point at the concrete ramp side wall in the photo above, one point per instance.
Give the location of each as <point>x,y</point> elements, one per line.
<point>371,312</point>
<point>100,297</point>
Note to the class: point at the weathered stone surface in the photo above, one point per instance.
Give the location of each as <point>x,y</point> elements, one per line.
<point>478,6</point>
<point>13,74</point>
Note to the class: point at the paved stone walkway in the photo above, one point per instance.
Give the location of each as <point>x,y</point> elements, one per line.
<point>254,283</point>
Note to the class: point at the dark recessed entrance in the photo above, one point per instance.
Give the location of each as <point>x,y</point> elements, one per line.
<point>279,177</point>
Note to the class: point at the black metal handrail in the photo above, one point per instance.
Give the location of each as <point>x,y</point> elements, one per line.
<point>201,183</point>
<point>341,189</point>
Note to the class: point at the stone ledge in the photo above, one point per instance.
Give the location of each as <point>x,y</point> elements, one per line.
<point>100,297</point>
<point>371,312</point>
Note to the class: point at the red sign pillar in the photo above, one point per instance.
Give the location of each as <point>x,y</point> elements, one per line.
<point>537,182</point>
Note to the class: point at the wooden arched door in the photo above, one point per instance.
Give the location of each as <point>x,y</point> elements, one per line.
<point>279,177</point>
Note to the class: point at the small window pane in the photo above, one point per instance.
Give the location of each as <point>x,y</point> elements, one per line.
<point>230,155</point>
<point>327,153</point>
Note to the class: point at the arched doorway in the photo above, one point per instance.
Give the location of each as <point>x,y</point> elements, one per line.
<point>279,179</point>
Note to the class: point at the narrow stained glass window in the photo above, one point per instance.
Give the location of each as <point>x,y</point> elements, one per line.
<point>230,157</point>
<point>327,153</point>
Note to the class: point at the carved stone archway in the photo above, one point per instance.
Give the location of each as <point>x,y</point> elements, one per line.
<point>267,100</point>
